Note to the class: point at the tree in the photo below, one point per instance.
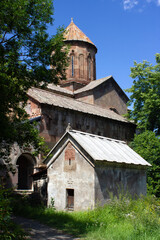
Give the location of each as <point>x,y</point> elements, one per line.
<point>147,145</point>
<point>25,60</point>
<point>145,95</point>
<point>8,230</point>
<point>26,54</point>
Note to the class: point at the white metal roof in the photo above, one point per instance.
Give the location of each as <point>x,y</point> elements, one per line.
<point>107,149</point>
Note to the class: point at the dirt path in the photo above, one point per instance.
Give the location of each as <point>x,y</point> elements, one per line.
<point>40,231</point>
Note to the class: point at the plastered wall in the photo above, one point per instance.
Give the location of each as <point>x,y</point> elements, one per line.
<point>78,176</point>
<point>111,181</point>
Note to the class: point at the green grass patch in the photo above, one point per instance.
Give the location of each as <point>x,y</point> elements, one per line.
<point>119,219</point>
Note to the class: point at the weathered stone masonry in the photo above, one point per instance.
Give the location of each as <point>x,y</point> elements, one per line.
<point>55,121</point>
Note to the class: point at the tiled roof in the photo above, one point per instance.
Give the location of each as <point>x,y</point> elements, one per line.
<point>43,96</point>
<point>72,32</point>
<point>92,85</point>
<point>57,88</point>
<point>101,149</point>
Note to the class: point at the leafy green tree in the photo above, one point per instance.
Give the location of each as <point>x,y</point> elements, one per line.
<point>147,145</point>
<point>26,54</point>
<point>145,95</point>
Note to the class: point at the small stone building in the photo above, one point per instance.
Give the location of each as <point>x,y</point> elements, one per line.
<point>84,169</point>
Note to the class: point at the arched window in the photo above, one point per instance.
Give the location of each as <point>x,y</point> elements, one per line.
<point>72,66</point>
<point>81,66</point>
<point>89,67</point>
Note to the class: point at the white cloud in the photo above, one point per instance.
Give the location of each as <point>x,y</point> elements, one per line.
<point>156,1</point>
<point>128,4</point>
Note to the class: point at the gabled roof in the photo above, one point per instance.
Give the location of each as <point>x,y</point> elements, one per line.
<point>72,32</point>
<point>45,97</point>
<point>101,149</point>
<point>93,84</point>
<point>56,88</point>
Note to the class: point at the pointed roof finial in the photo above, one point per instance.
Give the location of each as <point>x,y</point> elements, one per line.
<point>68,128</point>
<point>73,33</point>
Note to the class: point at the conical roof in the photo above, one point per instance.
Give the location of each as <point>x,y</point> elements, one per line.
<point>72,32</point>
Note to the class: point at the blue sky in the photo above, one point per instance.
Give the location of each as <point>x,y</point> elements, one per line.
<point>124,31</point>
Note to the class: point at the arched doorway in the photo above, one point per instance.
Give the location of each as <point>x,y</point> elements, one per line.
<point>25,165</point>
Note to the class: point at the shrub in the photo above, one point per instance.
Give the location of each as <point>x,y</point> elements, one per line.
<point>8,230</point>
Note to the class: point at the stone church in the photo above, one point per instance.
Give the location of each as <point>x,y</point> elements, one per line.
<point>90,105</point>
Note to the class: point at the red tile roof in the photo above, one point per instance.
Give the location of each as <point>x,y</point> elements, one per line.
<point>72,32</point>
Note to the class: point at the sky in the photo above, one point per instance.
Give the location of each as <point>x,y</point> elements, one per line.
<point>123,31</point>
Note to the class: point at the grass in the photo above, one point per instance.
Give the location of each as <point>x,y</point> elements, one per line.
<point>121,219</point>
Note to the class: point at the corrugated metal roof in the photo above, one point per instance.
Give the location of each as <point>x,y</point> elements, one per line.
<point>72,32</point>
<point>43,96</point>
<point>107,149</point>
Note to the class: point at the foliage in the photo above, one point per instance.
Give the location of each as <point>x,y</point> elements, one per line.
<point>147,145</point>
<point>8,230</point>
<point>119,219</point>
<point>145,95</point>
<point>52,205</point>
<point>25,59</point>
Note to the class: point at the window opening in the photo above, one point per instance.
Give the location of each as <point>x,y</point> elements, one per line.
<point>69,161</point>
<point>89,68</point>
<point>72,66</point>
<point>81,65</point>
<point>70,198</point>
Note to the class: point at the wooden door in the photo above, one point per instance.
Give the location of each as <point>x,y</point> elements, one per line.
<point>70,198</point>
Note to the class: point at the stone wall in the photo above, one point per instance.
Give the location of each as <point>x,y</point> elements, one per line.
<point>113,181</point>
<point>82,62</point>
<point>33,108</point>
<point>55,120</point>
<point>107,95</point>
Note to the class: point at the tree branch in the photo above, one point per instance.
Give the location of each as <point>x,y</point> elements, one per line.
<point>8,39</point>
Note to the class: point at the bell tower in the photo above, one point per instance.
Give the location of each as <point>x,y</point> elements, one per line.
<point>82,62</point>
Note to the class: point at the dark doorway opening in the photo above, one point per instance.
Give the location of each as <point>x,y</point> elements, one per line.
<point>70,199</point>
<point>25,170</point>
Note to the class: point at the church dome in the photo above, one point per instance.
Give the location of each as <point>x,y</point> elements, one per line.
<point>82,62</point>
<point>73,33</point>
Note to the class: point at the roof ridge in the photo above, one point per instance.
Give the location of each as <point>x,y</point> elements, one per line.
<point>73,104</point>
<point>95,135</point>
<point>89,86</point>
<point>89,104</point>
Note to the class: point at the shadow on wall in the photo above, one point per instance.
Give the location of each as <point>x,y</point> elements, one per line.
<point>118,182</point>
